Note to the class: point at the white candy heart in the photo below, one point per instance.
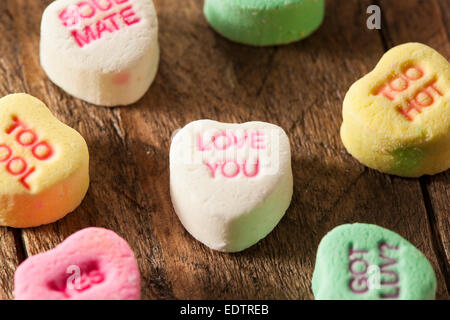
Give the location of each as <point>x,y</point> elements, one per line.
<point>230,183</point>
<point>103,51</point>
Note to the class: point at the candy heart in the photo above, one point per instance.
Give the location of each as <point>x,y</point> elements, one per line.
<point>91,264</point>
<point>103,51</point>
<point>264,22</point>
<point>364,261</point>
<point>230,183</point>
<point>397,118</point>
<point>44,164</point>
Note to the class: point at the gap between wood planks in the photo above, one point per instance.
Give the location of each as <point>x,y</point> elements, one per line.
<point>436,240</point>
<point>436,237</point>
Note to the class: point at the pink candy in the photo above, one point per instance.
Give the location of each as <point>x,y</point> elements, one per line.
<point>91,264</point>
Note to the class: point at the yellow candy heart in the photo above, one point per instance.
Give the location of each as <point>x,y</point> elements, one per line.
<point>44,164</point>
<point>396,118</point>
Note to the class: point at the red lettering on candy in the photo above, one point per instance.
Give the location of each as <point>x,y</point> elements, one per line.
<point>84,37</point>
<point>258,140</point>
<point>237,169</point>
<point>213,168</point>
<point>100,7</point>
<point>359,283</point>
<point>229,142</point>
<point>17,166</point>
<point>129,16</point>
<point>363,286</point>
<point>222,146</point>
<point>102,27</point>
<point>394,295</point>
<point>416,102</point>
<point>255,170</point>
<point>112,20</point>
<point>68,18</point>
<point>200,145</point>
<point>13,169</point>
<point>87,21</point>
<point>24,178</point>
<point>26,143</point>
<point>353,269</point>
<point>43,146</point>
<point>4,157</point>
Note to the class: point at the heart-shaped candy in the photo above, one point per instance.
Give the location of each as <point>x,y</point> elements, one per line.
<point>91,264</point>
<point>363,261</point>
<point>230,183</point>
<point>44,164</point>
<point>264,22</point>
<point>397,118</point>
<point>103,51</point>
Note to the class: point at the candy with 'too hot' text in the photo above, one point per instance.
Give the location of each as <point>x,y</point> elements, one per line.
<point>44,164</point>
<point>91,264</point>
<point>105,52</point>
<point>366,262</point>
<point>397,118</point>
<point>230,183</point>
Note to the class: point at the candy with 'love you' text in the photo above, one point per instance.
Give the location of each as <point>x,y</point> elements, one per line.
<point>230,183</point>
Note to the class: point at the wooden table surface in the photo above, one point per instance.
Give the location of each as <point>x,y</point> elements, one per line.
<point>202,75</point>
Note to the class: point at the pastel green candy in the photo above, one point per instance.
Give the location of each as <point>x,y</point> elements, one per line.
<point>364,261</point>
<point>264,22</point>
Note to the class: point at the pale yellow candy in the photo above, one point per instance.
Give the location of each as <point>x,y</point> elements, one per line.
<point>44,164</point>
<point>397,117</point>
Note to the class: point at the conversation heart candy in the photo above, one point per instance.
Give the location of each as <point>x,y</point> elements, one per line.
<point>105,52</point>
<point>397,118</point>
<point>264,22</point>
<point>363,261</point>
<point>230,183</point>
<point>91,264</point>
<point>44,164</point>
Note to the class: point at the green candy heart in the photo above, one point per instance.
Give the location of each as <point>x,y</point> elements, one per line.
<point>363,261</point>
<point>264,22</point>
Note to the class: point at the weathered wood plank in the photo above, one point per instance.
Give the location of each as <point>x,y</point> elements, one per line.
<point>10,258</point>
<point>427,22</point>
<point>11,79</point>
<point>300,87</point>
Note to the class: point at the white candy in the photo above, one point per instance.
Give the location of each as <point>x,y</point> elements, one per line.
<point>230,183</point>
<point>103,51</point>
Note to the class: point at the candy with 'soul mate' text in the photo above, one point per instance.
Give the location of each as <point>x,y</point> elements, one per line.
<point>397,117</point>
<point>230,183</point>
<point>363,261</point>
<point>91,264</point>
<point>105,52</point>
<point>264,22</point>
<point>44,164</point>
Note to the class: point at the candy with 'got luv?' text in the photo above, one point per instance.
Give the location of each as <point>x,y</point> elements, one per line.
<point>397,117</point>
<point>44,164</point>
<point>367,262</point>
<point>91,264</point>
<point>105,52</point>
<point>230,183</point>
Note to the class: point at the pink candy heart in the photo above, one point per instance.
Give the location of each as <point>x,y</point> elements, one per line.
<point>91,264</point>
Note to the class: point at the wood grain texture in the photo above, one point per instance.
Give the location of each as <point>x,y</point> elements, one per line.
<point>11,79</point>
<point>202,75</point>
